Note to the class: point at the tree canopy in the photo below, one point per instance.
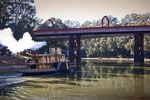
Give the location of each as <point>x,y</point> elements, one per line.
<point>18,15</point>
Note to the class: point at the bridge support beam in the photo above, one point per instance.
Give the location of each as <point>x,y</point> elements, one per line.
<point>78,48</point>
<point>74,49</point>
<point>71,49</point>
<point>138,49</point>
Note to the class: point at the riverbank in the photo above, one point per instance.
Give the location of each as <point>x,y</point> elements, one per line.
<point>10,69</point>
<point>11,60</point>
<point>113,59</point>
<point>13,64</point>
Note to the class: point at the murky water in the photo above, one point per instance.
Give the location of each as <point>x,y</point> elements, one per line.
<point>90,81</point>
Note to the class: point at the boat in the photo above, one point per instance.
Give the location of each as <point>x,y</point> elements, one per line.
<point>40,64</point>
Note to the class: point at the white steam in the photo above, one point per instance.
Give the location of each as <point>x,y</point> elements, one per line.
<point>7,39</point>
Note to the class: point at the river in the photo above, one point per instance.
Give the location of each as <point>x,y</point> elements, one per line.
<point>92,80</point>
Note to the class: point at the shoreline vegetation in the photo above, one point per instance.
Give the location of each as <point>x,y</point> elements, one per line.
<point>114,59</point>
<point>13,64</point>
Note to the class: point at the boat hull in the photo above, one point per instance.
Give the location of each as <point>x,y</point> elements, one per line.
<point>37,73</point>
<point>57,67</point>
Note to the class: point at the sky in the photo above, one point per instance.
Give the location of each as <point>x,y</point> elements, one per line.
<point>82,10</point>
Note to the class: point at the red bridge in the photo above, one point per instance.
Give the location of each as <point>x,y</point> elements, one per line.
<point>74,35</point>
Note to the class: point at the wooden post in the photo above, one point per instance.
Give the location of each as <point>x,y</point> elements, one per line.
<point>138,49</point>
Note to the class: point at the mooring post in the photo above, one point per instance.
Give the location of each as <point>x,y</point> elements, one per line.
<point>71,49</point>
<point>138,49</point>
<point>78,47</point>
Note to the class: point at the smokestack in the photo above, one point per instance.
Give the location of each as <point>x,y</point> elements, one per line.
<point>7,39</point>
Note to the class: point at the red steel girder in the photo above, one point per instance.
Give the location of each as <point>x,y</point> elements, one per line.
<point>94,31</point>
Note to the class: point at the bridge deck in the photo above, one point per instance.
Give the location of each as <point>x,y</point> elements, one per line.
<point>93,30</point>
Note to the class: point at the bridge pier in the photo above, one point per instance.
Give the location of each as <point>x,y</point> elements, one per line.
<point>71,49</point>
<point>74,49</point>
<point>138,49</point>
<point>78,47</point>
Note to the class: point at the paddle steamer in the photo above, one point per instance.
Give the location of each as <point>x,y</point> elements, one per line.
<point>45,63</point>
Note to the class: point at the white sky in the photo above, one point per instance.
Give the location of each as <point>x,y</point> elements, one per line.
<point>82,10</point>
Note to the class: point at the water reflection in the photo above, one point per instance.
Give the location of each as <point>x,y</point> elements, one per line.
<point>90,81</point>
<point>139,86</point>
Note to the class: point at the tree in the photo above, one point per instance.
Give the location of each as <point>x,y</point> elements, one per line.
<point>18,15</point>
<point>113,21</point>
<point>97,47</point>
<point>136,19</point>
<point>72,24</point>
<point>147,46</point>
<point>86,24</point>
<point>4,14</point>
<point>53,23</point>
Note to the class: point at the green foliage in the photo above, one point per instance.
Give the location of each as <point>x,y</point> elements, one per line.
<point>53,23</point>
<point>116,46</point>
<point>135,19</point>
<point>72,24</point>
<point>58,43</point>
<point>18,15</point>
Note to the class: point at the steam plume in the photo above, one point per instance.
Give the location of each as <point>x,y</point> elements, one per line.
<point>7,39</point>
